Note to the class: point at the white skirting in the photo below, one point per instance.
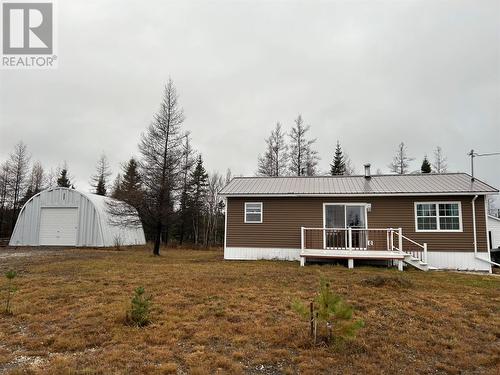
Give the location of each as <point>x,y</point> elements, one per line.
<point>438,259</point>
<point>255,253</point>
<point>460,260</point>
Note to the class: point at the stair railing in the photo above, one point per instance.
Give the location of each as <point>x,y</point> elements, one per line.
<point>420,253</point>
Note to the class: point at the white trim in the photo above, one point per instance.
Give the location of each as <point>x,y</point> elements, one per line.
<point>488,242</point>
<point>225,224</point>
<point>438,224</point>
<point>261,213</point>
<point>492,217</point>
<point>257,195</point>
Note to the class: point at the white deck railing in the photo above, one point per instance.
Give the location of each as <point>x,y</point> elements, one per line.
<point>359,239</point>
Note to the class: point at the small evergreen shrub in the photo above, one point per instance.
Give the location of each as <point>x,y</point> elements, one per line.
<point>139,313</point>
<point>10,291</point>
<point>328,313</point>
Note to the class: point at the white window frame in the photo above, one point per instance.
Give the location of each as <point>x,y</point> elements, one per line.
<point>438,224</point>
<point>261,213</point>
<point>360,204</point>
<point>345,211</point>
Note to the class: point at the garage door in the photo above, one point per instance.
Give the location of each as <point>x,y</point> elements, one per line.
<point>58,226</point>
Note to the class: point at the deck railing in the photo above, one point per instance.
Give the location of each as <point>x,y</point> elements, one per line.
<point>408,246</point>
<point>359,239</point>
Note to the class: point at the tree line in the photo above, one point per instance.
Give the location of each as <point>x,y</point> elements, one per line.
<point>167,183</point>
<point>177,199</point>
<point>292,154</point>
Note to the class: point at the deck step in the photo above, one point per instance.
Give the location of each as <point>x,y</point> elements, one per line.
<point>417,263</point>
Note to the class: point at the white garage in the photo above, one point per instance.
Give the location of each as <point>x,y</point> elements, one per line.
<point>67,217</point>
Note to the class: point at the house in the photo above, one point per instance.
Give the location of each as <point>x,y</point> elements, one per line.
<point>67,217</point>
<point>425,220</point>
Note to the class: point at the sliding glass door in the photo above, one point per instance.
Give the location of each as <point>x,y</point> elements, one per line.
<point>340,217</point>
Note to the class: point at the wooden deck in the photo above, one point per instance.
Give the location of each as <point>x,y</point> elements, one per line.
<point>351,255</point>
<point>355,254</point>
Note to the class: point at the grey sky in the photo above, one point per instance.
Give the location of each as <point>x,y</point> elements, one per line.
<point>369,73</point>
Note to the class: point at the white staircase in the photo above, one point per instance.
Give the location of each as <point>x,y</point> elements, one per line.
<point>415,254</point>
<point>415,262</point>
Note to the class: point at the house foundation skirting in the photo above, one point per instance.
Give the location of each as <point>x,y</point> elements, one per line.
<point>461,260</point>
<point>256,253</point>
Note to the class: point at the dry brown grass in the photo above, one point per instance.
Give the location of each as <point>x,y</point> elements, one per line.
<point>227,317</point>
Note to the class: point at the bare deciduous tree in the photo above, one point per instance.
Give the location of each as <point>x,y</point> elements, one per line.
<point>214,208</point>
<point>38,178</point>
<point>161,149</point>
<point>275,159</point>
<point>100,179</point>
<point>350,169</point>
<point>229,176</point>
<point>19,166</point>
<point>401,161</point>
<point>303,159</point>
<point>4,189</point>
<point>440,165</point>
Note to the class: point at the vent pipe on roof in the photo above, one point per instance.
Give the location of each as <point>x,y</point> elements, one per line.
<point>367,171</point>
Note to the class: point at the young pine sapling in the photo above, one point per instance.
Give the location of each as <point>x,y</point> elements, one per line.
<point>139,312</point>
<point>329,310</point>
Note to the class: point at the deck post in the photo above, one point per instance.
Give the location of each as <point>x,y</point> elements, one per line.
<point>400,265</point>
<point>425,252</point>
<point>349,239</point>
<point>302,261</point>
<point>302,230</point>
<point>350,263</point>
<point>392,239</point>
<point>400,244</point>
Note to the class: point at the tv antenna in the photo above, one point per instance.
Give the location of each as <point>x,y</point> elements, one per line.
<point>473,155</point>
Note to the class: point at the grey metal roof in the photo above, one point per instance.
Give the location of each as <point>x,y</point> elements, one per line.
<point>447,183</point>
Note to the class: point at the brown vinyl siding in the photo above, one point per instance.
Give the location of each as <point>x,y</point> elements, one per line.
<point>283,217</point>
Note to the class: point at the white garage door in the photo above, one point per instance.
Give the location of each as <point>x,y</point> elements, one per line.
<point>58,226</point>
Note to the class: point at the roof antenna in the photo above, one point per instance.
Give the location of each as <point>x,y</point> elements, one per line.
<point>472,155</point>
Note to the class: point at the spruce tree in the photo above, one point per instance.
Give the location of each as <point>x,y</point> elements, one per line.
<point>426,166</point>
<point>198,191</point>
<point>338,166</point>
<point>63,179</point>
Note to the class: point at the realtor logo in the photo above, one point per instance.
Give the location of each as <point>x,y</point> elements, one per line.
<point>28,34</point>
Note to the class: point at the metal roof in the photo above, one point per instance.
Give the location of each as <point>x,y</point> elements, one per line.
<point>409,184</point>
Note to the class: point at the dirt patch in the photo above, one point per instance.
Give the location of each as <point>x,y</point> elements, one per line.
<point>391,281</point>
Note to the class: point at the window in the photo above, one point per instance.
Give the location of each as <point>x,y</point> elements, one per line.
<point>339,215</point>
<point>438,217</point>
<point>253,212</point>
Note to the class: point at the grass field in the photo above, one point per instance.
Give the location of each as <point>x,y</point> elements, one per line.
<point>215,316</point>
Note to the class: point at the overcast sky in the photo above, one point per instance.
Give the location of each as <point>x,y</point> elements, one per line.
<point>368,73</point>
